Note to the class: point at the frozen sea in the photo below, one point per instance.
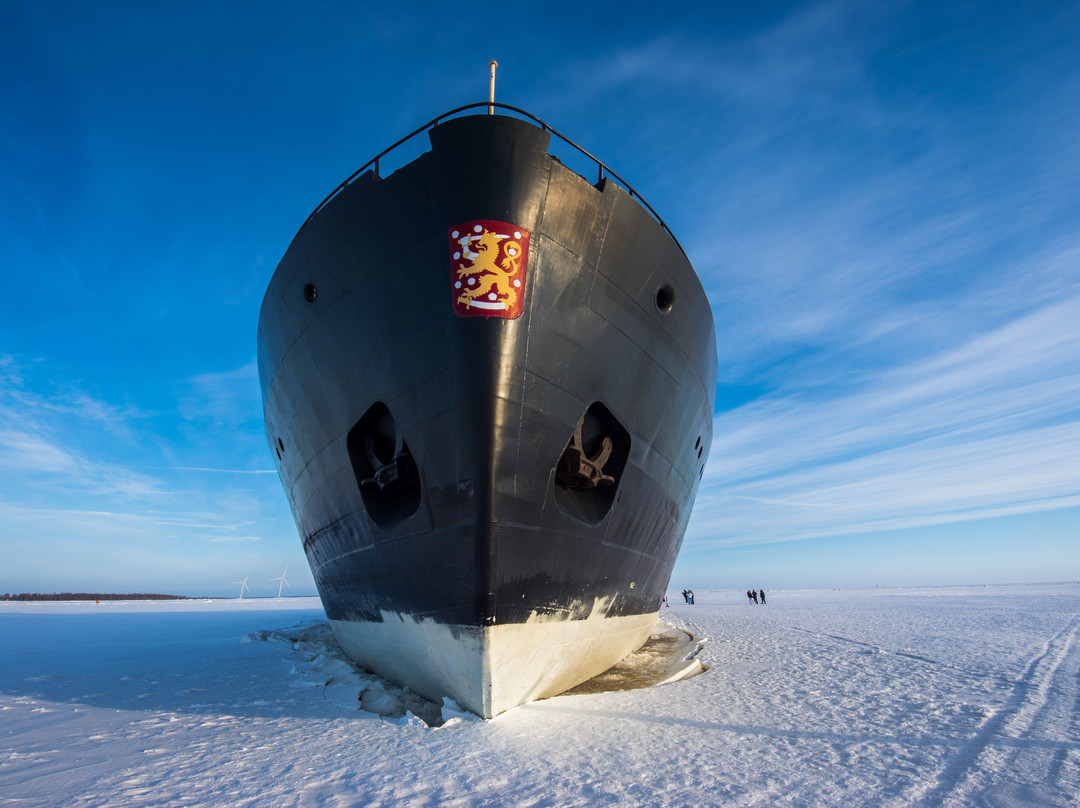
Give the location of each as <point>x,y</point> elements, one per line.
<point>885,697</point>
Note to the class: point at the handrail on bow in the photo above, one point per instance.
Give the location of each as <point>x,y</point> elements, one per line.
<point>602,168</point>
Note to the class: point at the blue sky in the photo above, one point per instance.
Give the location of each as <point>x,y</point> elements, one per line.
<point>882,200</point>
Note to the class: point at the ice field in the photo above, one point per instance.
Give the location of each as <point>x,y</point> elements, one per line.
<point>886,697</point>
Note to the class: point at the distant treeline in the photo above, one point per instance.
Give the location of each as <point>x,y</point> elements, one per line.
<point>88,596</point>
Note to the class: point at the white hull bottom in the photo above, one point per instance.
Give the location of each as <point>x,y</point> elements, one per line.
<point>488,670</point>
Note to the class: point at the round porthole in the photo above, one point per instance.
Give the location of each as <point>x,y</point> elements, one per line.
<point>665,298</point>
<point>310,292</point>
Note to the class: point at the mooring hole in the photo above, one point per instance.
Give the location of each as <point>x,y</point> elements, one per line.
<point>665,298</point>
<point>385,470</point>
<point>589,469</point>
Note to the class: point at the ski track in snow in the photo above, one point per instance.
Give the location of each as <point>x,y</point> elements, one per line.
<point>921,697</point>
<point>1024,738</point>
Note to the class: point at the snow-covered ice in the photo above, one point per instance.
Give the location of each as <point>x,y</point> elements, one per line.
<point>885,697</point>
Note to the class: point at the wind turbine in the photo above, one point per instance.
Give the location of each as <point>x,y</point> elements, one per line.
<point>243,585</point>
<point>281,581</point>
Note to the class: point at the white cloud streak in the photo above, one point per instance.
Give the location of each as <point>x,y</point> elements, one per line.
<point>70,462</point>
<point>228,398</point>
<point>988,428</point>
<point>22,452</point>
<point>31,449</point>
<point>226,471</point>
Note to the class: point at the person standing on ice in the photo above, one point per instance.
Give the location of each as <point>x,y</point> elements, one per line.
<point>753,594</point>
<point>750,596</point>
<point>761,594</point>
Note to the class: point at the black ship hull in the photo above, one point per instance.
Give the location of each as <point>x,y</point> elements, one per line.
<point>491,484</point>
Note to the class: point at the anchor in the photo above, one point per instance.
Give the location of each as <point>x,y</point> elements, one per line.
<point>400,466</point>
<point>578,470</point>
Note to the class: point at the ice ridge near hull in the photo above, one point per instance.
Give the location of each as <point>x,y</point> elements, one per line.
<point>491,497</point>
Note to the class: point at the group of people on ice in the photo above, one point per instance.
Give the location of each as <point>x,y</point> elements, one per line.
<point>754,595</point>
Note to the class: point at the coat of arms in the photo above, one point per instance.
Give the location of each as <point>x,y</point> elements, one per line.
<point>487,260</point>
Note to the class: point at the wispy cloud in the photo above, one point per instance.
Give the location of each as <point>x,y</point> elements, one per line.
<point>38,444</point>
<point>76,466</point>
<point>29,454</point>
<point>36,458</point>
<point>988,428</point>
<point>113,418</point>
<point>227,471</point>
<point>119,528</point>
<point>51,548</point>
<point>229,398</point>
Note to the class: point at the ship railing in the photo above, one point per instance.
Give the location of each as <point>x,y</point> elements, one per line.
<point>602,169</point>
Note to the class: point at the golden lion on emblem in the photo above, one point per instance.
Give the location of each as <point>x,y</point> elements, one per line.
<point>490,275</point>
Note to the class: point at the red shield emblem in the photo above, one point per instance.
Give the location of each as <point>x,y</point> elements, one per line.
<point>487,261</point>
